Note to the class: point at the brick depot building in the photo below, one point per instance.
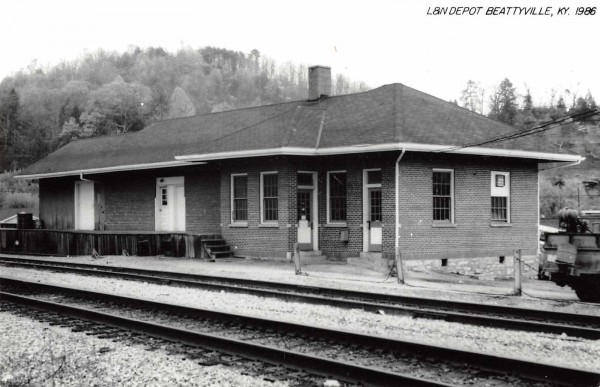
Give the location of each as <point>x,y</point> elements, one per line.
<point>360,175</point>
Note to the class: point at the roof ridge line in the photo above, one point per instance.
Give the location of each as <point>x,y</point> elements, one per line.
<point>461,107</point>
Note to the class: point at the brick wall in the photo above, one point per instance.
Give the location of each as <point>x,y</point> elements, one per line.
<point>130,204</point>
<point>258,240</point>
<point>130,199</point>
<point>253,238</point>
<point>202,201</point>
<point>473,234</point>
<point>329,234</point>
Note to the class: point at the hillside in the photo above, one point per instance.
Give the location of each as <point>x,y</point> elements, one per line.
<point>103,93</point>
<point>576,186</point>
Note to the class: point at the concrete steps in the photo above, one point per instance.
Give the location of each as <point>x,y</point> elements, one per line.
<point>217,248</point>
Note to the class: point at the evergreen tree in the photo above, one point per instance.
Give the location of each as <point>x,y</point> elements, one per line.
<point>526,118</point>
<point>503,103</point>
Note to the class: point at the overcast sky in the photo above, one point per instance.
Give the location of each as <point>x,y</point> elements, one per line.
<point>379,42</point>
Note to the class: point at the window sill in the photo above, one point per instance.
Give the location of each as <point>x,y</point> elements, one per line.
<point>500,224</point>
<point>336,225</point>
<point>268,225</point>
<point>443,225</point>
<point>240,224</point>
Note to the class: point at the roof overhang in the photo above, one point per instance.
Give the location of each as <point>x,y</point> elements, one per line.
<point>119,168</point>
<point>186,160</point>
<point>409,147</point>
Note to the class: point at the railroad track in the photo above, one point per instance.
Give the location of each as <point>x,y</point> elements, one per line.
<point>522,319</point>
<point>347,356</point>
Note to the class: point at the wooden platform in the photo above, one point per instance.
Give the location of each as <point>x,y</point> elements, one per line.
<point>68,242</point>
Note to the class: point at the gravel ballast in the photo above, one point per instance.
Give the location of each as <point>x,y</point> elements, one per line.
<point>37,354</point>
<point>543,295</point>
<point>557,349</point>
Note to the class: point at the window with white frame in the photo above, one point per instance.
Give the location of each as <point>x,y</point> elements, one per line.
<point>336,197</point>
<point>500,197</point>
<point>269,197</point>
<point>239,198</point>
<point>443,195</point>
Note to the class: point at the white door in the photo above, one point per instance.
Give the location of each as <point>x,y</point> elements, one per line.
<point>304,201</point>
<point>372,211</point>
<point>170,207</point>
<point>84,205</point>
<point>307,210</point>
<point>374,220</point>
<point>179,208</point>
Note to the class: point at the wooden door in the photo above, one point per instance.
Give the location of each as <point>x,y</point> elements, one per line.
<point>85,218</point>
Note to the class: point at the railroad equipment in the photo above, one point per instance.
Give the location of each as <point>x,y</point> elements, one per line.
<point>571,256</point>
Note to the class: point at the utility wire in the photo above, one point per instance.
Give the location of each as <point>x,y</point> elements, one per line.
<point>528,132</point>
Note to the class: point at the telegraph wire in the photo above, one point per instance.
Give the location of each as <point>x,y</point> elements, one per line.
<point>527,132</point>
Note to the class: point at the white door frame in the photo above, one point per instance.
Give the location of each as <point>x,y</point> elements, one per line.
<point>77,192</point>
<point>366,204</point>
<point>315,207</point>
<point>166,182</point>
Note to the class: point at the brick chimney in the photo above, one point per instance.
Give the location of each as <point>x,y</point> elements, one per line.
<point>319,82</point>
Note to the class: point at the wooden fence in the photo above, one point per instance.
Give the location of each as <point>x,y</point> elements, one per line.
<point>64,243</point>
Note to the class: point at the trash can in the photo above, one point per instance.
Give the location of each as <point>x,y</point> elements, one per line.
<point>25,221</point>
<point>143,246</point>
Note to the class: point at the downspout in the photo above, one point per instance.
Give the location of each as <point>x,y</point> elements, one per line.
<point>83,178</point>
<point>397,226</point>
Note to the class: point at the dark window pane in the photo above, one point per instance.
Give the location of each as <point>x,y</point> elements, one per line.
<point>441,208</point>
<point>270,199</point>
<point>240,199</point>
<point>270,185</point>
<point>337,197</point>
<point>375,205</point>
<point>500,180</point>
<point>304,205</point>
<point>240,186</point>
<point>373,177</point>
<point>442,195</point>
<point>305,179</point>
<point>499,208</point>
<point>164,196</point>
<point>270,209</point>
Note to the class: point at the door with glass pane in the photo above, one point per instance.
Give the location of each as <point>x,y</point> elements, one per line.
<point>170,207</point>
<point>304,202</point>
<point>375,220</point>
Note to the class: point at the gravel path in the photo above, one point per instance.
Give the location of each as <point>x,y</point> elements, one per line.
<point>537,294</point>
<point>558,349</point>
<point>37,354</point>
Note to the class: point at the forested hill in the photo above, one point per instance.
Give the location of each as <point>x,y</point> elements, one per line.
<point>104,93</point>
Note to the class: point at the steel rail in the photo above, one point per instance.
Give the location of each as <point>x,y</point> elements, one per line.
<point>344,371</point>
<point>522,319</point>
<point>494,363</point>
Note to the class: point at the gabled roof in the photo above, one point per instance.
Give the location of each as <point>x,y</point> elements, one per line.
<point>391,117</point>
